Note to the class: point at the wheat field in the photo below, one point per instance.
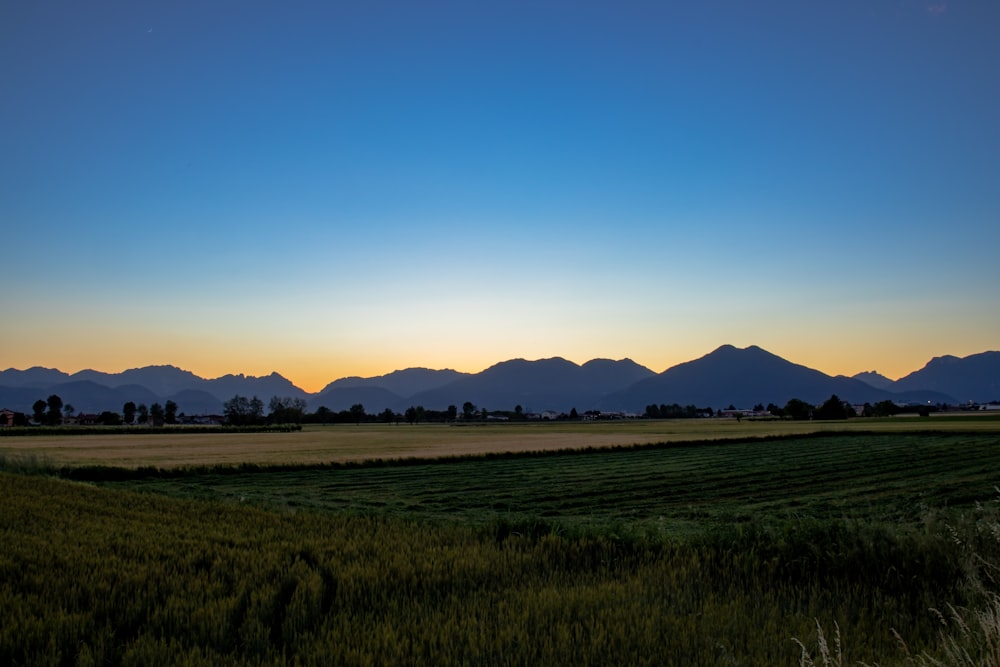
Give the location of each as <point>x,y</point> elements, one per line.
<point>345,443</point>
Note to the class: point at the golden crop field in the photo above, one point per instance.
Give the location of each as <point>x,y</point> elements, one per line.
<point>342,443</point>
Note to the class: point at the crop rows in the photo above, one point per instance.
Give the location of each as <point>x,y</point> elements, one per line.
<point>673,489</point>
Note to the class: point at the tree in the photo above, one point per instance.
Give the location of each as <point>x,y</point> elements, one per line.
<point>518,411</point>
<point>68,410</point>
<point>156,414</point>
<point>798,409</point>
<point>323,414</point>
<point>885,409</point>
<point>468,409</point>
<point>55,409</point>
<point>142,416</point>
<point>128,412</point>
<point>109,418</point>
<point>573,414</point>
<point>241,411</point>
<point>288,410</point>
<point>452,413</point>
<point>387,416</point>
<point>832,408</point>
<point>410,415</point>
<point>357,413</point>
<point>38,411</point>
<point>170,412</point>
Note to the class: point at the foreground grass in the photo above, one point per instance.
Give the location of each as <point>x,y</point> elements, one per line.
<point>695,554</point>
<point>99,576</point>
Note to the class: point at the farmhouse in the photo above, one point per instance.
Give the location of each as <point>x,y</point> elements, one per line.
<point>7,417</point>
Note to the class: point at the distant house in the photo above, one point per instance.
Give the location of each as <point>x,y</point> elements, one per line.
<point>204,420</point>
<point>740,414</point>
<point>7,417</point>
<point>84,419</point>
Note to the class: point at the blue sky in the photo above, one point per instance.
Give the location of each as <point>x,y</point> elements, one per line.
<point>330,189</point>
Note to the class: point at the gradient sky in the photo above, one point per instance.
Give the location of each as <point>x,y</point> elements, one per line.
<point>326,189</point>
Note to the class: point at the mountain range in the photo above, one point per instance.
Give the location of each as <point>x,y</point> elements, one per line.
<point>726,376</point>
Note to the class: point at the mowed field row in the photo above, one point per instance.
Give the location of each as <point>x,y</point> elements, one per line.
<point>671,489</point>
<point>343,443</point>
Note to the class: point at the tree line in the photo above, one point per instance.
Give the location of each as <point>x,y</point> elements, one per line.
<point>795,409</point>
<point>250,411</point>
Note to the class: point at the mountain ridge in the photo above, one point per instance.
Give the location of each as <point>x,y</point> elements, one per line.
<point>727,375</point>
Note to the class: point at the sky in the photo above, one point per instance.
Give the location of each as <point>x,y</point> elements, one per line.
<point>328,189</point>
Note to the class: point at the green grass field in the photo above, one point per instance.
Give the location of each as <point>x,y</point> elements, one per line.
<point>701,551</point>
<point>672,489</point>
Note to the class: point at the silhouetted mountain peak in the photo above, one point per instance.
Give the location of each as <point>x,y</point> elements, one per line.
<point>972,378</point>
<point>402,383</point>
<point>874,379</point>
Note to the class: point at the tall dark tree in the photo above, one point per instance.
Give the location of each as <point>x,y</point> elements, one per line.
<point>885,409</point>
<point>357,412</point>
<point>142,414</point>
<point>287,410</point>
<point>256,410</point>
<point>452,413</point>
<point>38,411</point>
<point>387,416</point>
<point>237,410</point>
<point>170,412</point>
<point>55,410</point>
<point>468,409</point>
<point>323,415</point>
<point>156,414</point>
<point>410,415</point>
<point>832,408</point>
<point>128,412</point>
<point>242,411</point>
<point>109,418</point>
<point>798,409</point>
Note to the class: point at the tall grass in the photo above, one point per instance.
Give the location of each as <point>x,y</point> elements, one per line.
<point>99,576</point>
<point>968,633</point>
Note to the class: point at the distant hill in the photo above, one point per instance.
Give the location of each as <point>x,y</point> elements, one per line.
<point>546,384</point>
<point>726,376</point>
<point>36,376</point>
<point>227,386</point>
<point>401,383</point>
<point>161,380</point>
<point>743,378</point>
<point>374,399</point>
<point>973,378</point>
<point>95,391</point>
<point>874,379</point>
<point>83,395</point>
